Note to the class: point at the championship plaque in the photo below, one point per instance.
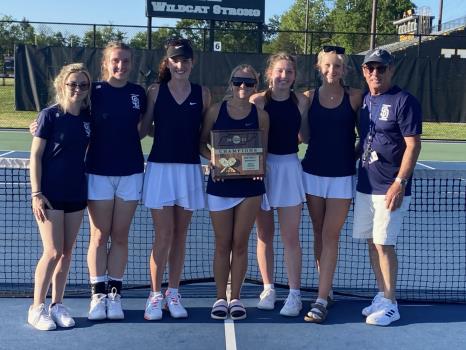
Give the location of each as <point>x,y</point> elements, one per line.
<point>237,153</point>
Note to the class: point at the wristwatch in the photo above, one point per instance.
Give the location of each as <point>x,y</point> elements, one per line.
<point>401,181</point>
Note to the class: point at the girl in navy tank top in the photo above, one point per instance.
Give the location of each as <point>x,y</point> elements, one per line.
<point>284,185</point>
<point>173,182</point>
<point>329,166</point>
<point>233,203</point>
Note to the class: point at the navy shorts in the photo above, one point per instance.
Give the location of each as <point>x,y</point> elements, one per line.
<point>67,207</point>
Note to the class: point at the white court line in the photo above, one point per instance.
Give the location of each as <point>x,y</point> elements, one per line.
<point>4,154</point>
<point>424,165</point>
<point>230,337</point>
<point>446,161</point>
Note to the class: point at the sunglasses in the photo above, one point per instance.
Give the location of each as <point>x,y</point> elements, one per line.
<point>248,82</point>
<point>380,69</point>
<point>73,86</point>
<point>331,48</point>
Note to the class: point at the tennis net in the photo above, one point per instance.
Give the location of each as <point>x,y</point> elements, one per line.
<point>431,248</point>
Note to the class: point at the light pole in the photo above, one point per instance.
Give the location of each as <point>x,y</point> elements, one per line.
<point>373,24</point>
<point>306,27</point>
<point>440,15</point>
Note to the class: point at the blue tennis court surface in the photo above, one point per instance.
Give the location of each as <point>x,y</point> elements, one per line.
<point>422,326</point>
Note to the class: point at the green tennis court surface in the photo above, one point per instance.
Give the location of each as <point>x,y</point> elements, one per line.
<point>431,150</point>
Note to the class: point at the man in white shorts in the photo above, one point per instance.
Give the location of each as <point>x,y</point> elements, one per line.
<point>390,128</point>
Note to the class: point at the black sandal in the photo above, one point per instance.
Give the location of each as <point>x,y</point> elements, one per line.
<point>317,314</point>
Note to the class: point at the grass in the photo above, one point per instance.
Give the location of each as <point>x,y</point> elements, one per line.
<point>9,118</point>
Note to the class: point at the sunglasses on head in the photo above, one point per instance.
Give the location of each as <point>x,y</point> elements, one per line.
<point>332,48</point>
<point>380,68</point>
<point>248,82</point>
<point>73,86</point>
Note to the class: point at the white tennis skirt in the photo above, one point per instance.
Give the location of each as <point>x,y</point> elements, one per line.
<point>217,203</point>
<point>284,180</point>
<point>329,187</point>
<point>170,184</point>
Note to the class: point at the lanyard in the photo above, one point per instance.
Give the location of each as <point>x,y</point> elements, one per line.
<point>370,136</point>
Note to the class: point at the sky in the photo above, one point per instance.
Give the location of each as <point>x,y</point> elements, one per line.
<point>132,12</point>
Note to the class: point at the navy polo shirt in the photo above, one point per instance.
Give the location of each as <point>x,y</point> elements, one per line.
<point>63,171</point>
<point>393,115</point>
<point>115,147</point>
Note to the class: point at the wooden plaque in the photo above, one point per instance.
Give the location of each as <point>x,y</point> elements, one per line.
<point>237,153</point>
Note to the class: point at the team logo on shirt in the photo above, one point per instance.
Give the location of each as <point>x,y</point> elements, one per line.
<point>384,112</point>
<point>135,101</point>
<point>87,128</point>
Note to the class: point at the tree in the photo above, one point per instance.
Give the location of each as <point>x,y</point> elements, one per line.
<point>354,16</point>
<point>102,36</point>
<point>295,20</point>
<point>159,37</point>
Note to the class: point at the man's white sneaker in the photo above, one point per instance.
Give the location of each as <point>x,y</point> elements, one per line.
<point>173,304</point>
<point>153,309</point>
<point>267,299</point>
<point>114,309</point>
<point>293,306</point>
<point>98,309</point>
<point>60,314</point>
<point>387,313</point>
<point>374,306</point>
<point>39,318</point>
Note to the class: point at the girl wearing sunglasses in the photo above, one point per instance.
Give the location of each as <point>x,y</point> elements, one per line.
<point>173,183</point>
<point>59,190</point>
<point>284,184</point>
<point>329,166</point>
<point>233,203</point>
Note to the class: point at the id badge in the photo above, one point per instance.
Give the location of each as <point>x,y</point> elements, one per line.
<point>373,157</point>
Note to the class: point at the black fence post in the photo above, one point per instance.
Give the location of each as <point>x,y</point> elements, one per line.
<point>149,33</point>
<point>204,39</point>
<point>95,34</point>
<point>312,41</point>
<point>260,29</point>
<point>211,35</point>
<point>419,45</point>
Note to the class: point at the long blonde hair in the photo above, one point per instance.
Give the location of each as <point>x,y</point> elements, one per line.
<point>60,88</point>
<point>111,46</point>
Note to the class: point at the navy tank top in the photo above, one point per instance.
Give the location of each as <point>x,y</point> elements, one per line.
<point>330,150</point>
<point>236,188</point>
<point>177,127</point>
<point>285,121</point>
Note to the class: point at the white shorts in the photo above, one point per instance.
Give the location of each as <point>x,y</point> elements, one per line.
<point>373,221</point>
<point>127,188</point>
<point>284,181</point>
<point>170,184</point>
<point>217,203</point>
<point>341,187</point>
